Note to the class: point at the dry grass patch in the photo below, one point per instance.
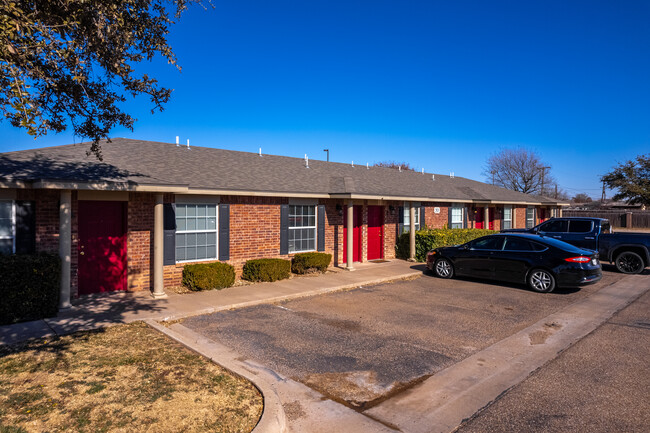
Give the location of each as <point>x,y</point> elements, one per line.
<point>123,378</point>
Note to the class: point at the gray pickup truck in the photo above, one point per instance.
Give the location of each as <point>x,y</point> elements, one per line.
<point>630,252</point>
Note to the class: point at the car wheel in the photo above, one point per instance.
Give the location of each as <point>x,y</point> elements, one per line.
<point>443,268</point>
<point>629,263</point>
<point>541,280</point>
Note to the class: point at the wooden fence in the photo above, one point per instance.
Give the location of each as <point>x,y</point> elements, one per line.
<point>617,218</point>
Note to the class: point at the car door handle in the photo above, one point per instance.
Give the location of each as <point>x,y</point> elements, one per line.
<point>590,237</point>
<point>557,237</point>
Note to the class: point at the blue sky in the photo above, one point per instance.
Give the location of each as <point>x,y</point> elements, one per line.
<point>441,86</point>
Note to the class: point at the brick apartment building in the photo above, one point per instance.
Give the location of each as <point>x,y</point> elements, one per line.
<point>133,220</point>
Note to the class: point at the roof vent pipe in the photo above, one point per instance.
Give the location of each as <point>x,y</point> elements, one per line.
<point>451,174</point>
<point>177,143</point>
<point>399,167</point>
<point>306,161</point>
<point>188,144</point>
<point>367,166</point>
<point>433,177</point>
<point>352,163</point>
<point>260,151</point>
<point>422,170</point>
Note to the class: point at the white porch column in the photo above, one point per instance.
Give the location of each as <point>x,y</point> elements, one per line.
<point>486,218</point>
<point>560,212</point>
<point>411,232</point>
<point>65,246</point>
<point>158,239</point>
<point>350,239</point>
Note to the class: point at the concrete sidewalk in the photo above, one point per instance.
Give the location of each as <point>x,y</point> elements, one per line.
<point>97,311</point>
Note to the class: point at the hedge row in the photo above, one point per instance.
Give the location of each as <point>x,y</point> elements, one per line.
<point>429,239</point>
<point>29,287</point>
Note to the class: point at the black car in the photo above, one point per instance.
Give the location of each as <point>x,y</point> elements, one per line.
<point>630,252</point>
<point>541,262</point>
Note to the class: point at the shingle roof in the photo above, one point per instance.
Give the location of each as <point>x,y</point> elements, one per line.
<point>140,163</point>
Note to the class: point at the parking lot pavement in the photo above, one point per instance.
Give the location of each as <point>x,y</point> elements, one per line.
<point>362,346</point>
<point>601,384</point>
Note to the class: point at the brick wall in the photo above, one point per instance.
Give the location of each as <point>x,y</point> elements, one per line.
<point>254,230</point>
<point>140,224</point>
<point>434,220</point>
<point>520,217</point>
<point>391,221</point>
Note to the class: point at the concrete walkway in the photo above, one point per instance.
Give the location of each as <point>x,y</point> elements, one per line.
<point>97,311</point>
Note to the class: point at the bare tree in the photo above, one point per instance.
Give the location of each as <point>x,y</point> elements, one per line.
<point>581,198</point>
<point>520,170</point>
<point>395,165</point>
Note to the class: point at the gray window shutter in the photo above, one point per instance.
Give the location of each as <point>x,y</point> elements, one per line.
<point>284,229</point>
<point>449,217</point>
<point>169,234</point>
<point>321,228</point>
<point>25,227</point>
<point>400,220</point>
<point>423,222</point>
<point>224,232</point>
<point>465,218</point>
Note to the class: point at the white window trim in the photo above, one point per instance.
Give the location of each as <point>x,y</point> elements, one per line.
<point>315,227</point>
<point>504,215</point>
<point>216,231</point>
<point>13,225</point>
<point>462,217</point>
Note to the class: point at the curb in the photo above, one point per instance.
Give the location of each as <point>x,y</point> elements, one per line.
<point>273,418</point>
<point>180,316</point>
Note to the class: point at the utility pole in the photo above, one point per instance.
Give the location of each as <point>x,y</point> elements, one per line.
<point>493,173</point>
<point>602,198</point>
<point>556,191</point>
<point>543,174</point>
<point>328,154</point>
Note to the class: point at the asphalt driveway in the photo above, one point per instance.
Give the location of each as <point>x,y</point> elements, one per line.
<point>361,346</point>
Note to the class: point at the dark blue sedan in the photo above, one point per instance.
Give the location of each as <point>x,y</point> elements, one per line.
<point>541,262</point>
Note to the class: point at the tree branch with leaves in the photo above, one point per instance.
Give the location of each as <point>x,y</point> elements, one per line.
<point>632,180</point>
<point>71,62</point>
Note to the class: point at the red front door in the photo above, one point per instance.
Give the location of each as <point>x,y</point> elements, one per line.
<point>357,222</point>
<point>478,219</point>
<point>102,246</point>
<point>542,214</point>
<point>375,232</point>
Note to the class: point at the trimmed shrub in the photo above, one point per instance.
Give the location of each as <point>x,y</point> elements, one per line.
<point>29,287</point>
<point>305,262</point>
<point>429,239</point>
<point>266,270</point>
<point>208,276</point>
